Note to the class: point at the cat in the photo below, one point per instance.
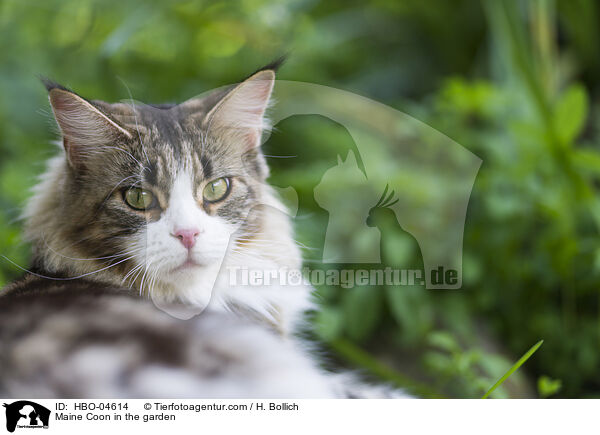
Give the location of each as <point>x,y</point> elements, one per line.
<point>171,155</point>
<point>160,202</point>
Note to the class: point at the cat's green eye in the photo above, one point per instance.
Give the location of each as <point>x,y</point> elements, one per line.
<point>216,190</point>
<point>139,199</point>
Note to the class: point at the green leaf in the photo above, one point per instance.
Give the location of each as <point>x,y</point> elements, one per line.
<point>514,368</point>
<point>548,386</point>
<point>443,340</point>
<point>570,113</point>
<point>586,160</point>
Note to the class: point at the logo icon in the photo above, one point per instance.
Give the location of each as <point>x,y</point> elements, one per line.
<point>26,414</point>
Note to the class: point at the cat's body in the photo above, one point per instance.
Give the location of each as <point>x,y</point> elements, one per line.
<point>158,204</point>
<point>83,339</point>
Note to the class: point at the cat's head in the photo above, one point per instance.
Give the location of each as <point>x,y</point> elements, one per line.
<point>152,192</point>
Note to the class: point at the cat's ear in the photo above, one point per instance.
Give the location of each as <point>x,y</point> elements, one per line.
<point>84,127</point>
<point>240,115</point>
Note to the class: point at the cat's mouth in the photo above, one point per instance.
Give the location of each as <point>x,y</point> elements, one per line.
<point>188,264</point>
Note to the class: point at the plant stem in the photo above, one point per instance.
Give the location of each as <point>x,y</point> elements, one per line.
<point>513,368</point>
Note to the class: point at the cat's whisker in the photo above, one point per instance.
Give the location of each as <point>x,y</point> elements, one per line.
<point>251,239</point>
<point>108,257</point>
<point>144,271</point>
<point>131,272</point>
<point>147,269</point>
<point>154,279</point>
<point>244,255</point>
<point>259,242</point>
<point>65,279</point>
<point>43,238</point>
<point>152,275</point>
<point>84,239</point>
<point>135,277</point>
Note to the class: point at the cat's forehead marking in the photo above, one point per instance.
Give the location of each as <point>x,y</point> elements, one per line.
<point>206,164</point>
<point>167,146</point>
<point>175,140</point>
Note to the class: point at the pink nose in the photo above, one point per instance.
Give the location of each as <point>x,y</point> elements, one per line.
<point>187,237</point>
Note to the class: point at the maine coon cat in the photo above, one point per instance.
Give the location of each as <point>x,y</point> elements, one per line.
<point>158,194</point>
<point>158,202</point>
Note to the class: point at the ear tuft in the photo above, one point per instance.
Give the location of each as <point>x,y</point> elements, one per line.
<point>273,66</point>
<point>50,84</point>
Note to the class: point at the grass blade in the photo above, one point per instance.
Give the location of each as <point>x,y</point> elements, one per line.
<point>514,368</point>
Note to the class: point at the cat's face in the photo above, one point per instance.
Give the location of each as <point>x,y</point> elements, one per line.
<point>158,193</point>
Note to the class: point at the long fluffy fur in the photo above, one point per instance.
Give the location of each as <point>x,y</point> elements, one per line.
<point>81,341</point>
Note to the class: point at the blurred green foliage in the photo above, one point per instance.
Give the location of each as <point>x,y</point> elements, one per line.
<point>514,82</point>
